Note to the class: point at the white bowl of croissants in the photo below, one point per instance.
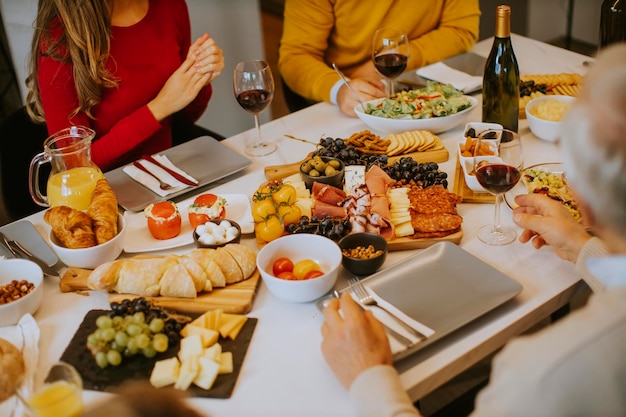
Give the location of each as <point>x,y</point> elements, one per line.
<point>86,239</point>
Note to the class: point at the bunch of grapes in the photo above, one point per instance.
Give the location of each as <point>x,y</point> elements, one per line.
<point>407,169</point>
<point>133,327</point>
<point>337,148</point>
<point>332,228</point>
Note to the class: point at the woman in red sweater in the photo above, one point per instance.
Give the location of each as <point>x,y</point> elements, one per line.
<point>125,68</point>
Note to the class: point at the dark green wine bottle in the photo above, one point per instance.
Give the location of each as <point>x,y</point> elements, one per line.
<point>612,22</point>
<point>501,76</point>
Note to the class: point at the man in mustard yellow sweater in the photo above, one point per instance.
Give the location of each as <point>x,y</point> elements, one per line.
<point>319,32</point>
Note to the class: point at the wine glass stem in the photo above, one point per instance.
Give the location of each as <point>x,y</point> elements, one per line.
<point>497,227</point>
<point>258,129</point>
<point>391,87</point>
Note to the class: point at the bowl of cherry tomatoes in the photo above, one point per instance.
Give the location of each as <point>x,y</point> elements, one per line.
<point>299,268</point>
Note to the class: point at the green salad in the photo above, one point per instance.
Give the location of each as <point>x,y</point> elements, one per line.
<point>434,100</point>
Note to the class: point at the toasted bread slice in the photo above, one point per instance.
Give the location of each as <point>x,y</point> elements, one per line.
<point>204,257</point>
<point>177,282</point>
<point>245,257</point>
<point>228,265</point>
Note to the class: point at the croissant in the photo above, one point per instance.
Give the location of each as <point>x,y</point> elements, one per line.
<point>103,211</point>
<point>175,275</point>
<point>72,227</point>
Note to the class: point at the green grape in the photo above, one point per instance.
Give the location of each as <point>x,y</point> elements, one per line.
<point>92,340</point>
<point>132,347</point>
<point>133,329</point>
<point>143,341</point>
<point>108,334</point>
<point>160,342</point>
<point>156,325</point>
<point>118,321</point>
<point>113,357</point>
<point>104,322</point>
<point>121,338</point>
<point>101,359</point>
<point>139,317</point>
<point>149,352</point>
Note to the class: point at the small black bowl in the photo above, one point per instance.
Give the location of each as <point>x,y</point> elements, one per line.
<point>236,239</point>
<point>368,266</point>
<point>335,180</point>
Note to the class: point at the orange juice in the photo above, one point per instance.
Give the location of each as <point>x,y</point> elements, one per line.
<point>73,187</point>
<point>59,399</point>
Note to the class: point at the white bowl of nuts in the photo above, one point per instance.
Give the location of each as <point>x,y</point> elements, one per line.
<point>21,289</point>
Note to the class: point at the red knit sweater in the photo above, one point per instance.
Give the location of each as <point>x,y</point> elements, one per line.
<point>143,56</point>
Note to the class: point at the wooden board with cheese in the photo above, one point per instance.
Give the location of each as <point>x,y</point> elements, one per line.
<point>532,86</point>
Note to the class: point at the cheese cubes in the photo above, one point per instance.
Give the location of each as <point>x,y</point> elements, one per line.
<point>200,358</point>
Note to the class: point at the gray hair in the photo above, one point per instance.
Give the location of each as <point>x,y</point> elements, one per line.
<point>593,140</point>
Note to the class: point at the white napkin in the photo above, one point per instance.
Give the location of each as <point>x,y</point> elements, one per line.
<point>444,74</point>
<point>151,183</point>
<point>25,336</point>
<point>390,322</point>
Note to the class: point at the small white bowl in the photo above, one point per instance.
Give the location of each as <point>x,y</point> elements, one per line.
<point>20,269</point>
<point>480,127</point>
<point>90,258</point>
<point>545,129</point>
<point>435,124</point>
<point>468,166</point>
<point>298,247</point>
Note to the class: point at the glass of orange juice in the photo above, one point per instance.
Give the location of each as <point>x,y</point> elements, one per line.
<point>60,396</point>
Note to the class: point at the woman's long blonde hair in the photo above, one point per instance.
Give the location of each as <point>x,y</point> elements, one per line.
<point>85,43</point>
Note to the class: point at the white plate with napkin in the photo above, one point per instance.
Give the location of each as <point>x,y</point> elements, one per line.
<point>445,74</point>
<point>152,183</point>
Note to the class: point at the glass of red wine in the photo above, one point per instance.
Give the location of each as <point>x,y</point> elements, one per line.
<point>498,174</point>
<point>254,89</point>
<point>390,52</point>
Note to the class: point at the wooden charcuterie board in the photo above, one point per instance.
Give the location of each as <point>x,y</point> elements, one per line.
<point>406,243</point>
<point>235,298</point>
<point>277,172</point>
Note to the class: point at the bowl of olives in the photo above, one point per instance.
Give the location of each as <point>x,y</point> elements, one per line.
<point>323,169</point>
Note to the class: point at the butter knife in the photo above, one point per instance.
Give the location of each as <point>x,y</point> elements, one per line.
<point>18,251</point>
<point>170,171</point>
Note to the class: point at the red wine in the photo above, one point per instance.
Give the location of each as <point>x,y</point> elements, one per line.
<point>391,65</point>
<point>497,178</point>
<point>254,101</point>
<point>501,76</point>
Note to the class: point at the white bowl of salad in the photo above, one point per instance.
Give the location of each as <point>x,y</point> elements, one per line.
<point>436,107</point>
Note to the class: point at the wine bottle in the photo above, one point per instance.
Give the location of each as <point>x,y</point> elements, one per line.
<point>501,76</point>
<point>612,22</point>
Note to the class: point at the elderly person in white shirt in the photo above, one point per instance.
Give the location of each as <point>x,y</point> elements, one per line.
<point>576,366</point>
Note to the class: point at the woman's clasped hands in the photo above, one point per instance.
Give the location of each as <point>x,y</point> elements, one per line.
<point>204,63</point>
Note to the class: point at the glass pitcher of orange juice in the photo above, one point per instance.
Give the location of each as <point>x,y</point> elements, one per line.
<point>60,396</point>
<point>73,174</point>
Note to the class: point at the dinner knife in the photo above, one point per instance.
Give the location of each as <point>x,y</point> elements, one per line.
<point>20,252</point>
<point>170,171</point>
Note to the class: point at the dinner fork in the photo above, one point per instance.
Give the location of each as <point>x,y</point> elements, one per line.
<point>366,299</point>
<point>163,185</point>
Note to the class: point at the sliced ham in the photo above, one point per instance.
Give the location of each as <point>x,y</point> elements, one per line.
<point>377,182</point>
<point>321,209</point>
<point>328,194</point>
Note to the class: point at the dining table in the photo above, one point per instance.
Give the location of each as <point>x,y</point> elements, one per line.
<point>284,372</point>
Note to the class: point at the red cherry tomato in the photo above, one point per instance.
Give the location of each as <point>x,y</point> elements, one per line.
<point>199,211</point>
<point>164,221</point>
<point>303,267</point>
<point>288,275</point>
<point>282,265</point>
<point>313,274</point>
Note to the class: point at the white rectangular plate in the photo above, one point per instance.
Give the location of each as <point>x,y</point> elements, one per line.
<point>139,239</point>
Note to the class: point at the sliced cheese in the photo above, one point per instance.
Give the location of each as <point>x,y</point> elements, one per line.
<point>190,346</point>
<point>213,352</point>
<point>165,372</point>
<point>207,373</point>
<point>207,336</point>
<point>226,363</point>
<point>189,369</point>
<point>236,329</point>
<point>354,177</point>
<point>229,322</point>
<point>403,229</point>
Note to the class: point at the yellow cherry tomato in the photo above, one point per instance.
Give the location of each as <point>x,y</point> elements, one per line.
<point>269,229</point>
<point>290,214</point>
<point>303,267</point>
<point>285,194</point>
<point>262,209</point>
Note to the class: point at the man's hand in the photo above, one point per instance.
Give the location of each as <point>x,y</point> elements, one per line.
<point>366,89</point>
<point>354,340</point>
